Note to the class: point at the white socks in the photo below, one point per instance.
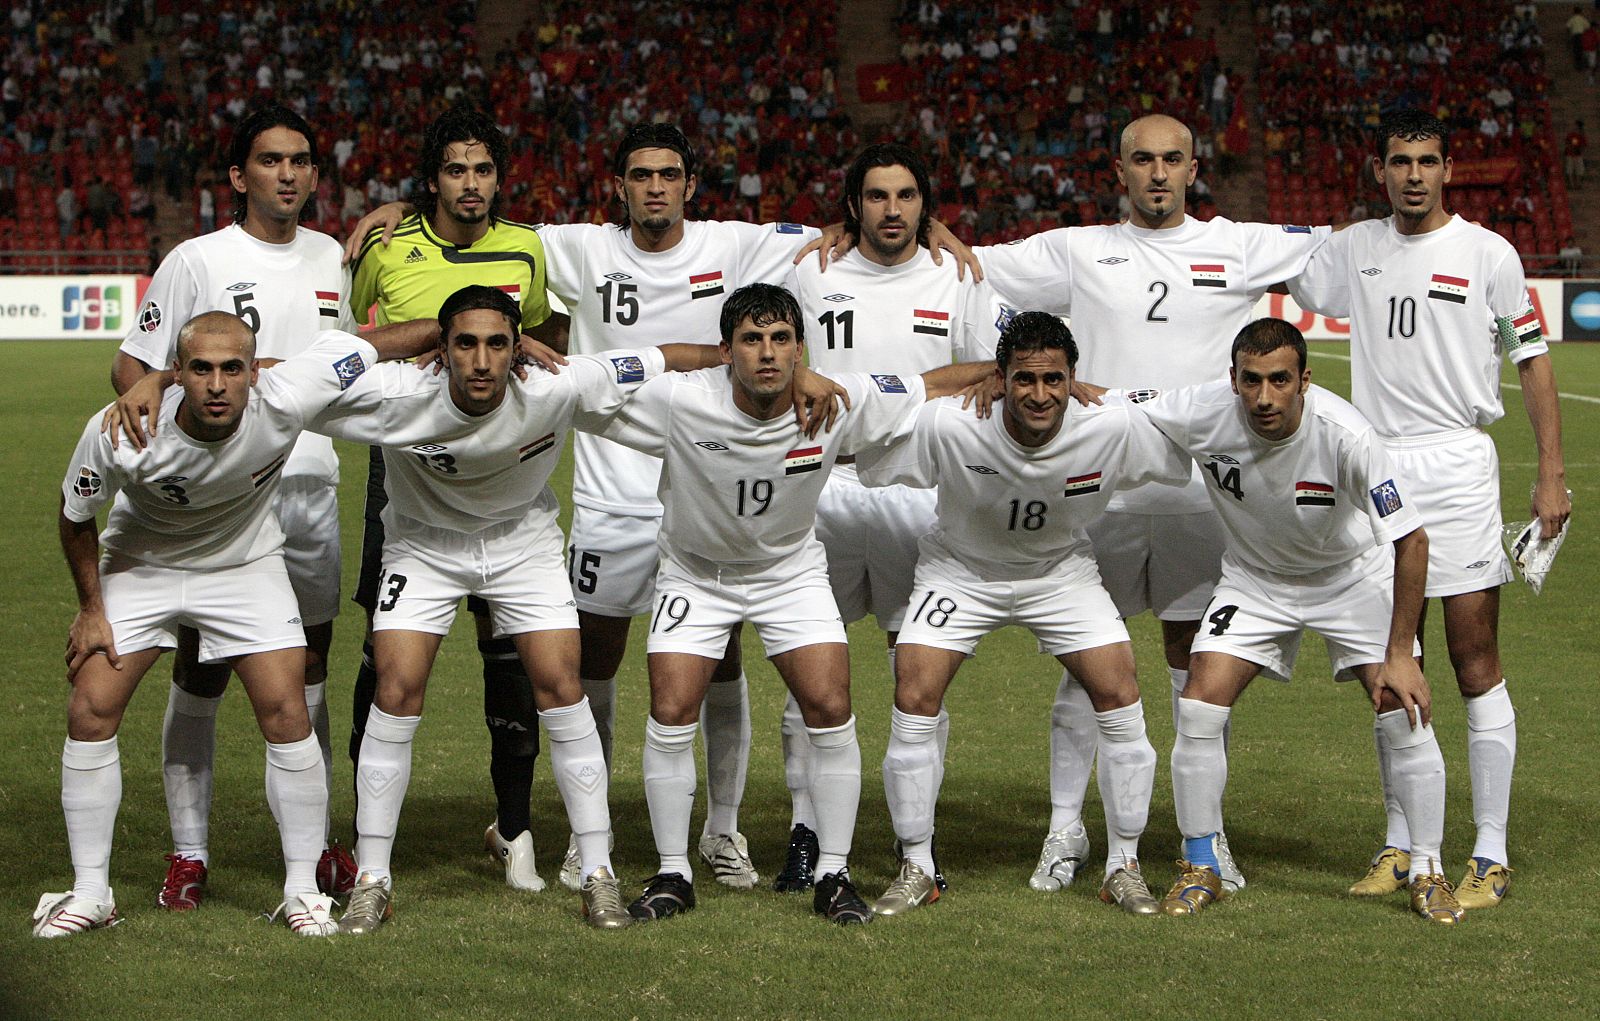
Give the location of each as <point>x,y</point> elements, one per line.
<point>1073,738</point>
<point>1416,775</point>
<point>669,786</point>
<point>317,709</point>
<point>579,764</point>
<point>91,790</point>
<point>1127,776</point>
<point>382,777</point>
<point>1396,832</point>
<point>297,793</point>
<point>602,695</point>
<point>1491,754</point>
<point>726,715</point>
<point>913,770</point>
<point>835,792</point>
<point>797,766</point>
<point>188,751</point>
<point>1199,767</point>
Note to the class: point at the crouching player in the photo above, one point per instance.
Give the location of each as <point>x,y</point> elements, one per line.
<point>1016,491</point>
<point>192,540</point>
<point>469,453</point>
<point>740,487</point>
<point>1308,502</point>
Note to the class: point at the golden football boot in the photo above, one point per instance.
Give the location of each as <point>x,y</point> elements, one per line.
<point>1196,887</point>
<point>1433,899</point>
<point>1485,885</point>
<point>1387,874</point>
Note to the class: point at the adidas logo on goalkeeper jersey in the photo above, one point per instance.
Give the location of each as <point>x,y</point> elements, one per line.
<point>415,255</point>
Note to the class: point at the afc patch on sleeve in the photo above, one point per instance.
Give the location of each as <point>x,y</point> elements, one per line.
<point>890,384</point>
<point>88,483</point>
<point>349,369</point>
<point>150,317</point>
<point>1290,228</point>
<point>790,228</point>
<point>1005,315</point>
<point>1386,498</point>
<point>630,369</point>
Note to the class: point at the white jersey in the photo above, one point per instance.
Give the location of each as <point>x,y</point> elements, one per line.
<point>467,473</point>
<point>1322,496</point>
<point>1009,512</point>
<point>1430,316</point>
<point>914,317</point>
<point>287,293</point>
<point>1151,308</point>
<point>621,296</point>
<point>197,505</point>
<point>737,490</point>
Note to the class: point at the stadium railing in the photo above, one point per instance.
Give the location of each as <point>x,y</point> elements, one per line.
<point>33,261</point>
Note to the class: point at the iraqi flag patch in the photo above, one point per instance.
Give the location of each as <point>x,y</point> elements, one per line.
<point>537,447</point>
<point>1313,494</point>
<point>802,460</point>
<point>515,290</point>
<point>1209,274</point>
<point>1448,288</point>
<point>930,322</point>
<point>1079,485</point>
<point>705,285</point>
<point>328,304</point>
<point>1519,330</point>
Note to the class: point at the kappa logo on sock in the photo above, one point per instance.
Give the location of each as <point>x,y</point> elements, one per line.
<point>589,777</point>
<point>377,779</point>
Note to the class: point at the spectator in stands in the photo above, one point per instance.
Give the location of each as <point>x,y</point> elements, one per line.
<point>207,209</point>
<point>1571,257</point>
<point>1576,142</point>
<point>100,203</point>
<point>67,208</point>
<point>1576,26</point>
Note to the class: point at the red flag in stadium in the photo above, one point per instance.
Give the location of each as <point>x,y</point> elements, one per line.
<point>883,83</point>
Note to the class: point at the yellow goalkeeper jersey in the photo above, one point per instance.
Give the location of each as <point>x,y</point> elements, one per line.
<point>413,276</point>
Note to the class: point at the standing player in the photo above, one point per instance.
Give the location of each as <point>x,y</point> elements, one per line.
<point>193,538</point>
<point>885,306</point>
<point>470,513</point>
<point>1153,302</point>
<point>739,488</point>
<point>456,238</point>
<point>1309,501</point>
<point>1008,547</point>
<point>286,283</point>
<point>1434,302</point>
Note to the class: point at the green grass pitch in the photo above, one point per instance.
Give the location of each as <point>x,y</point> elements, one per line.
<point>1303,814</point>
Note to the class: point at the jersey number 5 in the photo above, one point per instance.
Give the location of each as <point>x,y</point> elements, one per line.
<point>246,311</point>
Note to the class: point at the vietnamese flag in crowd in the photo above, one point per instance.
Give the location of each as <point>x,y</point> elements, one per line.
<point>883,83</point>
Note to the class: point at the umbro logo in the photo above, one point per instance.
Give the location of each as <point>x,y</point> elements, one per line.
<point>709,444</point>
<point>1371,271</point>
<point>619,275</point>
<point>1113,261</point>
<point>293,620</point>
<point>167,480</point>
<point>415,256</point>
<point>240,286</point>
<point>1140,396</point>
<point>982,469</point>
<point>837,297</point>
<point>428,448</point>
<point>1222,459</point>
<point>1478,566</point>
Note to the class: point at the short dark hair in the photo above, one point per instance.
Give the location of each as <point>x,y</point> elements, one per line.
<point>652,136</point>
<point>459,124</point>
<point>265,118</point>
<point>1410,125</point>
<point>763,305</point>
<point>1027,332</point>
<point>1264,336</point>
<point>477,296</point>
<point>886,154</point>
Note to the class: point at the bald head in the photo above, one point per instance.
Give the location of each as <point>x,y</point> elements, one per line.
<point>1157,166</point>
<point>1157,133</point>
<point>223,325</point>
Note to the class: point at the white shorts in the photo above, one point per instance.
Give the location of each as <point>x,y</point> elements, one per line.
<point>1068,611</point>
<point>308,512</point>
<point>612,562</point>
<point>237,610</point>
<point>1162,562</point>
<point>699,603</point>
<point>518,572</point>
<point>1259,618</point>
<point>871,538</point>
<point>1453,480</point>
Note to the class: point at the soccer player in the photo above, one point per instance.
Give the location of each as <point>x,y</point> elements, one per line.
<point>1008,547</point>
<point>285,281</point>
<point>739,490</point>
<point>468,456</point>
<point>1309,501</point>
<point>885,306</point>
<point>1434,303</point>
<point>456,238</point>
<point>1153,302</point>
<point>193,538</point>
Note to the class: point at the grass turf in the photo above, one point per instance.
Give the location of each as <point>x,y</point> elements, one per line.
<point>1303,815</point>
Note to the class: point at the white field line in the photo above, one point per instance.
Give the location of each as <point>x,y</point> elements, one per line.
<point>1585,398</point>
